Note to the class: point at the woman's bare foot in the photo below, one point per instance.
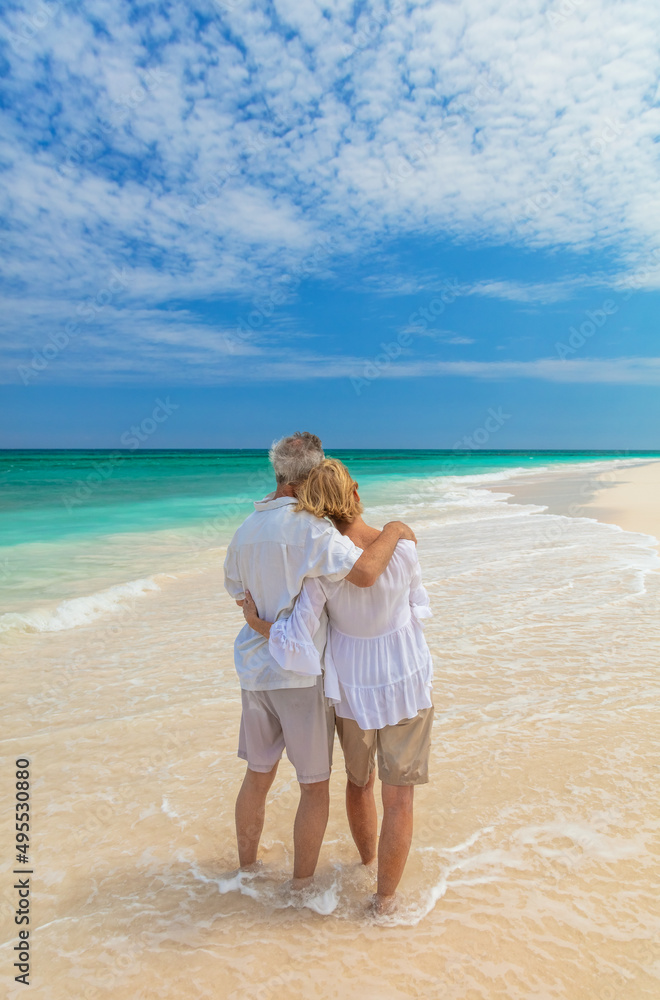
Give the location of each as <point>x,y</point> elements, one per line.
<point>382,906</point>
<point>296,885</point>
<point>256,866</point>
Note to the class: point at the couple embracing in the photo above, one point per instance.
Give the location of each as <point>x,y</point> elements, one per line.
<point>333,639</point>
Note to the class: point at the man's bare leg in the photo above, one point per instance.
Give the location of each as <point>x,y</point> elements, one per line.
<point>394,845</point>
<point>362,817</point>
<point>308,830</point>
<point>250,812</point>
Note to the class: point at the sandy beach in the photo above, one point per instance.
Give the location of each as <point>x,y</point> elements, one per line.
<point>630,499</point>
<point>535,854</point>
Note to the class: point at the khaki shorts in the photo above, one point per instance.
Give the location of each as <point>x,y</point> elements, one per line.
<point>403,750</point>
<point>295,718</point>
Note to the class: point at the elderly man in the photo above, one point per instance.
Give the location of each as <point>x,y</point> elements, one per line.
<point>270,555</point>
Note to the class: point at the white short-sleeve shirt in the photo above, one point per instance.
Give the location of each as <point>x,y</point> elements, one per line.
<point>270,555</point>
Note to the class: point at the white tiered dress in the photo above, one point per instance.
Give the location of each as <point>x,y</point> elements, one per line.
<point>378,667</point>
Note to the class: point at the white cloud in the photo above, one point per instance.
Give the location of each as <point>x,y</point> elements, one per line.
<point>612,371</point>
<point>179,352</point>
<point>441,336</point>
<point>518,291</point>
<point>510,122</point>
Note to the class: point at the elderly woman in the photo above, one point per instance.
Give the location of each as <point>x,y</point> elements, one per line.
<point>378,675</point>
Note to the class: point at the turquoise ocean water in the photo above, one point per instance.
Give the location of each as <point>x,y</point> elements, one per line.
<point>77,522</point>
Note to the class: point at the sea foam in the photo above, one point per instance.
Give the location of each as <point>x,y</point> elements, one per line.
<point>77,610</point>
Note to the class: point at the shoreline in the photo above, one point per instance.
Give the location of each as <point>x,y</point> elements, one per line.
<point>625,496</point>
<point>628,496</point>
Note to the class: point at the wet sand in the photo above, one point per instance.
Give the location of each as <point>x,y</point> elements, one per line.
<point>628,497</point>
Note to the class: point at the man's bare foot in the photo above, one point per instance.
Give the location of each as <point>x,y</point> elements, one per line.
<point>382,906</point>
<point>298,884</point>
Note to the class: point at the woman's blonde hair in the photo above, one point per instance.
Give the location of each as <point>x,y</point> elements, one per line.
<point>329,491</point>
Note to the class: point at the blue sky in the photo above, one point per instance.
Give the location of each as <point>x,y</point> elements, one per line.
<point>376,221</point>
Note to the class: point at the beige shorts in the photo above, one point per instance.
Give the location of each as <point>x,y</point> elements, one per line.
<point>403,750</point>
<point>297,719</point>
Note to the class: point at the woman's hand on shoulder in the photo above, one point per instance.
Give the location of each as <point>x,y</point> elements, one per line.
<point>405,531</point>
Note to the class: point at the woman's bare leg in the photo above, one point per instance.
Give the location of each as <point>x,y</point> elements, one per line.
<point>394,845</point>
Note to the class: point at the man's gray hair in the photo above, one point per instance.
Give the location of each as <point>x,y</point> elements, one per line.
<point>294,457</point>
